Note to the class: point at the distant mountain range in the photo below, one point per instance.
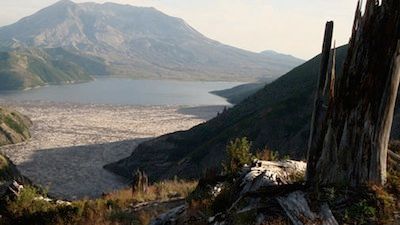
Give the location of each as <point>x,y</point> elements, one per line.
<point>139,42</point>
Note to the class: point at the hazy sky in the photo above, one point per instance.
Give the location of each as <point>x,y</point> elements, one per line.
<point>288,26</point>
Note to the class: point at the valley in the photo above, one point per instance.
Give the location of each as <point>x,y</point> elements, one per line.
<point>114,114</point>
<point>71,143</point>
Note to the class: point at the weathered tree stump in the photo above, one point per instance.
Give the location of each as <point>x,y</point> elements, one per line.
<point>140,182</point>
<point>350,146</point>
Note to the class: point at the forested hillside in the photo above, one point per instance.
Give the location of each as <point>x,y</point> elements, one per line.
<point>30,67</point>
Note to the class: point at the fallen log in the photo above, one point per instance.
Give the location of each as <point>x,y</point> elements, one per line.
<point>394,156</point>
<point>297,209</point>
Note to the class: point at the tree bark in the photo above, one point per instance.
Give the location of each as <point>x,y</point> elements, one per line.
<point>319,111</point>
<point>351,147</point>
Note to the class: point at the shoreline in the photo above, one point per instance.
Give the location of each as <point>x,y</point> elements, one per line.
<point>72,142</point>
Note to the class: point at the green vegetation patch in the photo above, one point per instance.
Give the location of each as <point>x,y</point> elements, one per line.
<point>14,124</point>
<point>4,168</point>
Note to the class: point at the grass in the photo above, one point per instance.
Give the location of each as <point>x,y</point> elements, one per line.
<point>369,205</point>
<point>113,209</point>
<point>158,191</point>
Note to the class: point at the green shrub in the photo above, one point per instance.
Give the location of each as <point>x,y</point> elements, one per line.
<point>238,154</point>
<point>26,203</point>
<point>362,212</point>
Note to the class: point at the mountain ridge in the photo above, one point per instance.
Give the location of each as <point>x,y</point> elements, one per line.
<point>139,42</point>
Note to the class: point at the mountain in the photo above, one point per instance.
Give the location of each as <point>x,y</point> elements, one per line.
<point>289,59</point>
<point>29,67</point>
<point>139,42</point>
<point>239,93</point>
<point>276,117</point>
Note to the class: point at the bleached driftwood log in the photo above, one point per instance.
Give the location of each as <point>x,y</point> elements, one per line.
<point>394,156</point>
<point>268,173</point>
<point>171,217</point>
<point>299,212</point>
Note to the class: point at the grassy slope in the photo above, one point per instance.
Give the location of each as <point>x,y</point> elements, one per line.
<point>25,68</point>
<point>14,128</point>
<point>112,209</point>
<point>277,117</point>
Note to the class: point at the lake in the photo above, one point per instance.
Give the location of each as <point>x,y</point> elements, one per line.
<point>120,91</point>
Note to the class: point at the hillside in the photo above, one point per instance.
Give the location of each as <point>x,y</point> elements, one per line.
<point>239,93</point>
<point>14,128</point>
<point>277,117</point>
<point>289,59</point>
<point>141,43</point>
<point>29,67</point>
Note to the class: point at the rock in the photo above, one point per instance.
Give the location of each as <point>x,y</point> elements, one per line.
<point>41,198</point>
<point>61,202</point>
<point>10,188</point>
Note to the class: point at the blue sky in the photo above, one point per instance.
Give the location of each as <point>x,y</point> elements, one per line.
<point>289,26</point>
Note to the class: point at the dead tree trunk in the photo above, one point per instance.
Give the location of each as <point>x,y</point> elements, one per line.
<point>351,145</point>
<point>319,110</point>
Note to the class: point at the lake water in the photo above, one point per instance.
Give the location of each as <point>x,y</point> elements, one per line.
<point>127,92</point>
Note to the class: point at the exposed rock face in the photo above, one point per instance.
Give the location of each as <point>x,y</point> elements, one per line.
<point>14,127</point>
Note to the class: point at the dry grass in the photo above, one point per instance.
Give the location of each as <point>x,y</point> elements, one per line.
<point>267,155</point>
<point>114,208</point>
<point>158,191</point>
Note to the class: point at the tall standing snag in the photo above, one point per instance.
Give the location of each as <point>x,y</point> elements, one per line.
<point>319,111</point>
<point>351,146</point>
